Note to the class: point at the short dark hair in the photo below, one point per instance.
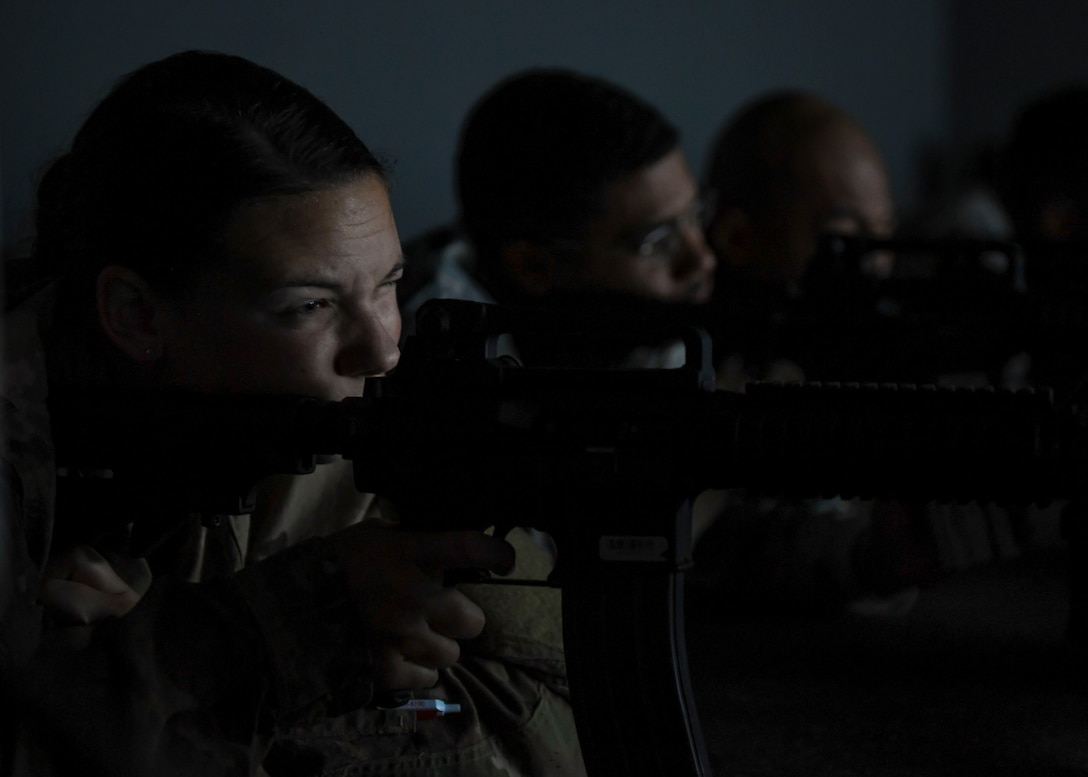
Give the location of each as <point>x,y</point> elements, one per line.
<point>537,151</point>
<point>1046,156</point>
<point>163,163</point>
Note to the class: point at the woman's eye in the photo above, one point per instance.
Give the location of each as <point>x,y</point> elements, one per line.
<point>394,279</point>
<point>310,306</point>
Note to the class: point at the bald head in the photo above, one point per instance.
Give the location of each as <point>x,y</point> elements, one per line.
<point>787,168</point>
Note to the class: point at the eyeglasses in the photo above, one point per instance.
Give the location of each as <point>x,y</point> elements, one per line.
<point>665,240</point>
<point>662,241</point>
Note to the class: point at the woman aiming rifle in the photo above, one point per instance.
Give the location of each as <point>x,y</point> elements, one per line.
<point>216,228</point>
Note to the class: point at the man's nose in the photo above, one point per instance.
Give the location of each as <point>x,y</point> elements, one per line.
<point>695,256</point>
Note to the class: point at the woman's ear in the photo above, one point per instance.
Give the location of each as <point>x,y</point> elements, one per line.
<point>529,268</point>
<point>131,314</point>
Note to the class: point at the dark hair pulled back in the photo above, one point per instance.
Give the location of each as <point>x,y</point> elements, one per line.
<point>165,161</point>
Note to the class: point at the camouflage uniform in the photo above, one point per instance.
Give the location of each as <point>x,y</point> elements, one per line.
<point>515,716</point>
<point>247,641</point>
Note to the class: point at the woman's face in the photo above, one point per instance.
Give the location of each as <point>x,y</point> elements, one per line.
<point>305,304</point>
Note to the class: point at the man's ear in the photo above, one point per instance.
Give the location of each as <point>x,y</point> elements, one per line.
<point>131,314</point>
<point>732,236</point>
<point>530,268</point>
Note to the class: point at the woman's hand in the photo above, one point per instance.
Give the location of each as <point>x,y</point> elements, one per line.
<point>414,618</point>
<point>80,588</point>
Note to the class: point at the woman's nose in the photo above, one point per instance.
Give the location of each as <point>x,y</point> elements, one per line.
<point>370,347</point>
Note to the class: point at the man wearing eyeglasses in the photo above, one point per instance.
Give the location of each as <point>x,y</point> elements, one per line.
<point>573,195</point>
<point>572,192</point>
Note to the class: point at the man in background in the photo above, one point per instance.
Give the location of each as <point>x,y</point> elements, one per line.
<point>573,194</point>
<point>788,168</point>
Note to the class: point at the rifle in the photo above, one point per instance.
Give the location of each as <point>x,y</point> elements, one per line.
<point>606,461</point>
<point>951,306</point>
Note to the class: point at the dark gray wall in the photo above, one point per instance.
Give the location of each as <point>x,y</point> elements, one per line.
<point>1007,52</point>
<point>404,72</point>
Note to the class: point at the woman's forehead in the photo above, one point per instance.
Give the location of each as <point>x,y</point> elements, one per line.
<point>322,231</point>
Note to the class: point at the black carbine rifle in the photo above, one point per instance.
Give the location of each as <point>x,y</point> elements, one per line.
<point>608,462</point>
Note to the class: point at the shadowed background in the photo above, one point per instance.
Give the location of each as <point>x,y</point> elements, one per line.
<point>920,74</point>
